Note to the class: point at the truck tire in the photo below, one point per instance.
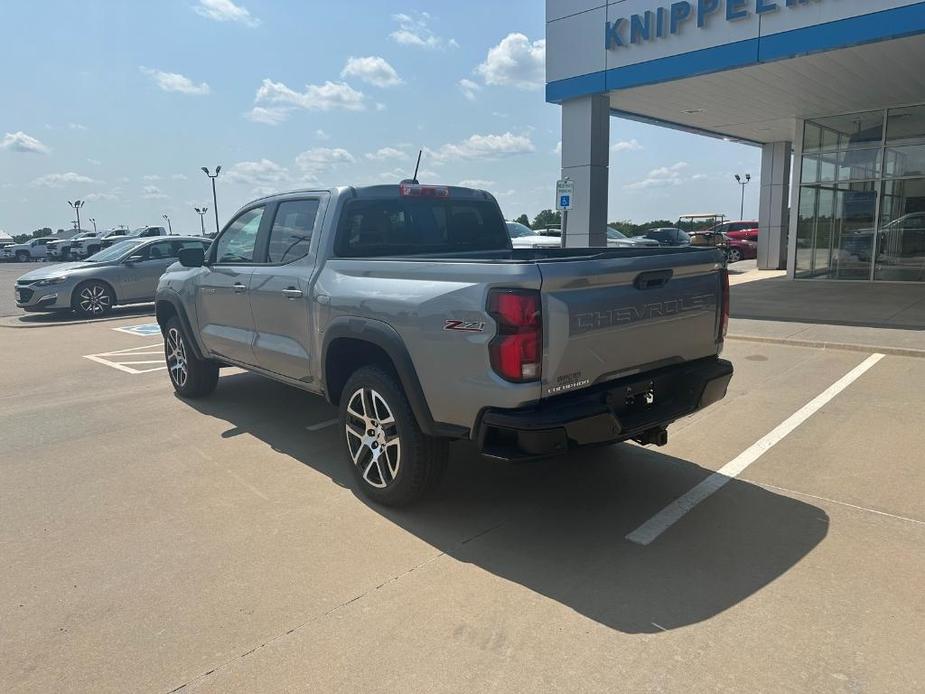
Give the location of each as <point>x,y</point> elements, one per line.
<point>22,257</point>
<point>191,377</point>
<point>93,299</point>
<point>393,461</point>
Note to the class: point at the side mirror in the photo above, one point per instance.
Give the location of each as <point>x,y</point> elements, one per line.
<point>192,257</point>
<point>132,259</point>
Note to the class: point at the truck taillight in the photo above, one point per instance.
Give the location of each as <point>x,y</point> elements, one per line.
<point>724,318</point>
<point>517,350</point>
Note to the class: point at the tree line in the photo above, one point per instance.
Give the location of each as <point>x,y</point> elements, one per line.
<point>38,233</point>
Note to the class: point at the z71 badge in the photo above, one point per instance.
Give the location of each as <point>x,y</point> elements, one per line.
<point>464,326</point>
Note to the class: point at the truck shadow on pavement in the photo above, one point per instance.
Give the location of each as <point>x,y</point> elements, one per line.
<point>557,526</point>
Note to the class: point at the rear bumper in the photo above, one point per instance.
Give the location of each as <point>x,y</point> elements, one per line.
<point>635,407</point>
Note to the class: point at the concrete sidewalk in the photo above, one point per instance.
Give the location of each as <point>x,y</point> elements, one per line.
<point>887,318</point>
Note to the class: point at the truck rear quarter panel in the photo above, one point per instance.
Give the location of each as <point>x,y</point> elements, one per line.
<point>439,310</point>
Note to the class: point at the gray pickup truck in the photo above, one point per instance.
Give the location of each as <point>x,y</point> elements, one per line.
<point>407,307</point>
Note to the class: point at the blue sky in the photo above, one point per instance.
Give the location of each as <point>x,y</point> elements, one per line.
<point>119,103</point>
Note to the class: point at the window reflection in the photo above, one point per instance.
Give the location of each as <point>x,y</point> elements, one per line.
<point>861,212</point>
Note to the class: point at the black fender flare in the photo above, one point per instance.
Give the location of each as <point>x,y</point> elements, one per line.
<point>385,337</point>
<point>167,297</point>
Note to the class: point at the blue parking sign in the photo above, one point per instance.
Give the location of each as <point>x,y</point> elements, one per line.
<point>565,201</point>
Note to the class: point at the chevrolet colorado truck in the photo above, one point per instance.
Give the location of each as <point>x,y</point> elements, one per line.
<point>407,308</point>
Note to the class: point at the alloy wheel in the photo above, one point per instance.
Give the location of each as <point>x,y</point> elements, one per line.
<point>372,437</point>
<point>735,255</point>
<point>176,358</point>
<point>94,299</point>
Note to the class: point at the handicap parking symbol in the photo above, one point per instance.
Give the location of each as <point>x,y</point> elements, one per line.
<point>144,330</point>
<point>565,201</point>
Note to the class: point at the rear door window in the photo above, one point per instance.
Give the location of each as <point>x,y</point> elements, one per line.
<point>291,234</point>
<point>408,226</point>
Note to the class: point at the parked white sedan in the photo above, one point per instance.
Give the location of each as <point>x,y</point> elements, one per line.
<point>525,237</point>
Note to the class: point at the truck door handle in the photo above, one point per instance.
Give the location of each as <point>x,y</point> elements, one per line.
<point>239,288</point>
<point>653,280</point>
<point>292,293</point>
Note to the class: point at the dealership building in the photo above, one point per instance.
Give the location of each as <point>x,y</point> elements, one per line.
<point>833,91</point>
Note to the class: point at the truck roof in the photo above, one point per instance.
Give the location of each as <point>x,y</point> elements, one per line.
<point>380,191</point>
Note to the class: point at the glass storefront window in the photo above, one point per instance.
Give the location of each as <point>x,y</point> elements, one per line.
<point>855,215</point>
<point>904,161</point>
<point>861,213</point>
<point>901,235</point>
<point>906,125</point>
<point>852,130</point>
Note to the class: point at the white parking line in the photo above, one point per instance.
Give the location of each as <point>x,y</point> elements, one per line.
<point>322,425</point>
<point>127,359</point>
<point>673,512</point>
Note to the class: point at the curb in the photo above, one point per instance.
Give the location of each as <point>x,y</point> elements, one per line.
<point>843,346</point>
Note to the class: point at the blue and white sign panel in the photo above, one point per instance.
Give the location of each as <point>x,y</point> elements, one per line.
<point>565,189</point>
<point>144,330</point>
<point>597,46</point>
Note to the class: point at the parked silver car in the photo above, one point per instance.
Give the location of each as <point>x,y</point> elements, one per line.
<point>125,273</point>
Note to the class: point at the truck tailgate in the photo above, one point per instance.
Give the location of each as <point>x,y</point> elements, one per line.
<point>604,318</point>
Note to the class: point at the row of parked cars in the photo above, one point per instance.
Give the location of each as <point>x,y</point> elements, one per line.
<point>81,245</point>
<point>738,239</point>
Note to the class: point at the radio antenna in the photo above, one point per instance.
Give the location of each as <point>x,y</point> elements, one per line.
<point>417,166</point>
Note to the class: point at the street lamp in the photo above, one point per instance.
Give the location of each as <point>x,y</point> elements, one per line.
<point>743,183</point>
<point>218,169</point>
<point>201,211</point>
<point>76,205</point>
<point>93,222</point>
<point>169,228</point>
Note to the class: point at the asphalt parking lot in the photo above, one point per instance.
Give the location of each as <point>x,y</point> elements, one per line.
<point>153,544</point>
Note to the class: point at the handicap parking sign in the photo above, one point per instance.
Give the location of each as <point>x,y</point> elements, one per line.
<point>564,190</point>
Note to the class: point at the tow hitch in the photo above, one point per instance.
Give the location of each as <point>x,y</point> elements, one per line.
<point>657,436</point>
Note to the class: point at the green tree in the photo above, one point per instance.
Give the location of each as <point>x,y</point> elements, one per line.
<point>523,219</point>
<point>44,231</point>
<point>547,218</point>
<point>22,238</point>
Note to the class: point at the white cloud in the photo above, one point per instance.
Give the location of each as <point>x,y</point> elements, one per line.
<point>76,126</point>
<point>386,153</point>
<point>662,176</point>
<point>329,96</point>
<point>153,177</point>
<point>95,162</point>
<point>274,115</point>
<point>380,106</point>
<point>558,148</point>
<point>414,30</point>
<point>180,177</point>
<point>322,135</point>
<point>484,147</point>
<point>152,193</point>
<point>225,11</point>
<point>20,142</point>
<point>175,82</point>
<point>372,70</point>
<point>476,183</point>
<point>260,172</point>
<point>625,146</point>
<point>515,62</point>
<point>110,196</point>
<point>318,160</point>
<point>469,88</point>
<point>57,180</point>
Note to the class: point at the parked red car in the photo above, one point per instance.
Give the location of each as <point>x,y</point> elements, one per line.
<point>747,231</point>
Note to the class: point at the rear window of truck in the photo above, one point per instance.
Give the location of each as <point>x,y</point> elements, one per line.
<point>409,226</point>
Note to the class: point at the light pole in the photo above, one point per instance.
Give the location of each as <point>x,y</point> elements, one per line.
<point>76,205</point>
<point>201,211</point>
<point>743,183</point>
<point>93,222</point>
<point>218,169</point>
<point>169,228</point>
